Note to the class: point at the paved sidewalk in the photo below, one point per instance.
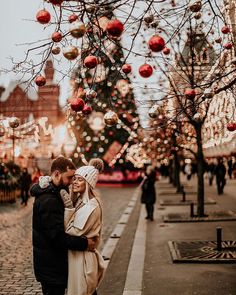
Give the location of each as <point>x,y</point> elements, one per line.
<point>162,276</point>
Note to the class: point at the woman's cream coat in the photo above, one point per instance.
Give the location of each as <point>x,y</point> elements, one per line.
<point>86,269</point>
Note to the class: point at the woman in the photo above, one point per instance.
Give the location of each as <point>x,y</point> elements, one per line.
<point>83,216</point>
<point>148,196</point>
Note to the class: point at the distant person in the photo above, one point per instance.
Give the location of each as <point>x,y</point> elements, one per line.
<point>188,170</point>
<point>230,168</point>
<point>25,182</point>
<point>220,176</point>
<point>211,172</point>
<point>36,174</point>
<point>50,242</point>
<point>148,196</point>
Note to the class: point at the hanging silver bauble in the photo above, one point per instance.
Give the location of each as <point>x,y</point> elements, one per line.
<point>14,122</point>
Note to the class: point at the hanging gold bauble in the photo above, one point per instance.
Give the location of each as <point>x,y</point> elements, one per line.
<point>110,118</point>
<point>14,122</point>
<point>71,52</point>
<point>56,50</point>
<point>77,29</point>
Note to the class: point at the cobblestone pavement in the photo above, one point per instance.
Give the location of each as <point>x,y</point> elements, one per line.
<point>16,272</point>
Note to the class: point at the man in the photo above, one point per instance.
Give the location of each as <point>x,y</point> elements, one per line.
<point>50,242</point>
<point>25,182</point>
<point>220,176</point>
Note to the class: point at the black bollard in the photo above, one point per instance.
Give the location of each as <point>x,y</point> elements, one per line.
<point>219,238</point>
<point>191,209</point>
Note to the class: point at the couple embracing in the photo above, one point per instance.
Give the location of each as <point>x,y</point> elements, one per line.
<point>66,229</point>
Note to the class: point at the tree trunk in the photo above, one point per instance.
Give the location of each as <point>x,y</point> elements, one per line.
<point>200,173</point>
<point>171,171</point>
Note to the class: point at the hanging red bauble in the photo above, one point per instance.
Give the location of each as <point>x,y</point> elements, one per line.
<point>190,93</point>
<point>43,16</point>
<point>145,70</point>
<point>87,110</point>
<point>156,43</point>
<point>56,2</point>
<point>166,51</point>
<point>115,28</point>
<point>225,30</point>
<point>56,36</point>
<point>77,104</point>
<point>231,126</point>
<point>90,61</point>
<point>228,45</point>
<point>40,80</point>
<point>126,68</point>
<point>72,18</point>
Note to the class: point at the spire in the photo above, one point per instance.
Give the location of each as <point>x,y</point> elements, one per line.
<point>49,71</point>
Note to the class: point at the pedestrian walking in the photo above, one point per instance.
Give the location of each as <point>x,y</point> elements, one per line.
<point>148,196</point>
<point>211,172</point>
<point>220,176</point>
<point>50,242</point>
<point>25,182</point>
<point>188,170</point>
<point>230,168</point>
<point>83,216</point>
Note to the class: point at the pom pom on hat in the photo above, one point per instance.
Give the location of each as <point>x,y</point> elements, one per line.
<point>97,163</point>
<point>90,172</point>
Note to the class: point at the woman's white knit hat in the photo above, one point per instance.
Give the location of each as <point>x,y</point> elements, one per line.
<point>89,173</point>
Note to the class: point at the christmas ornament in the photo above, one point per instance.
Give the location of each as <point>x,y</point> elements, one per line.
<point>14,122</point>
<point>56,50</point>
<point>2,131</point>
<point>77,104</point>
<point>91,61</point>
<point>126,68</point>
<point>77,29</point>
<point>154,111</point>
<point>56,36</point>
<point>197,117</point>
<point>115,28</point>
<point>166,51</point>
<point>91,94</point>
<point>190,93</point>
<point>56,2</point>
<point>87,110</point>
<point>218,40</point>
<point>225,30</point>
<point>156,43</point>
<point>40,80</point>
<point>228,45</point>
<point>43,16</point>
<point>149,19</point>
<point>231,127</point>
<point>208,93</point>
<point>72,18</point>
<point>197,15</point>
<point>195,6</point>
<point>110,118</point>
<point>145,70</point>
<point>71,52</point>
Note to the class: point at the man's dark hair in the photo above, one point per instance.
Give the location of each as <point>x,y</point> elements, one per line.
<point>62,164</point>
